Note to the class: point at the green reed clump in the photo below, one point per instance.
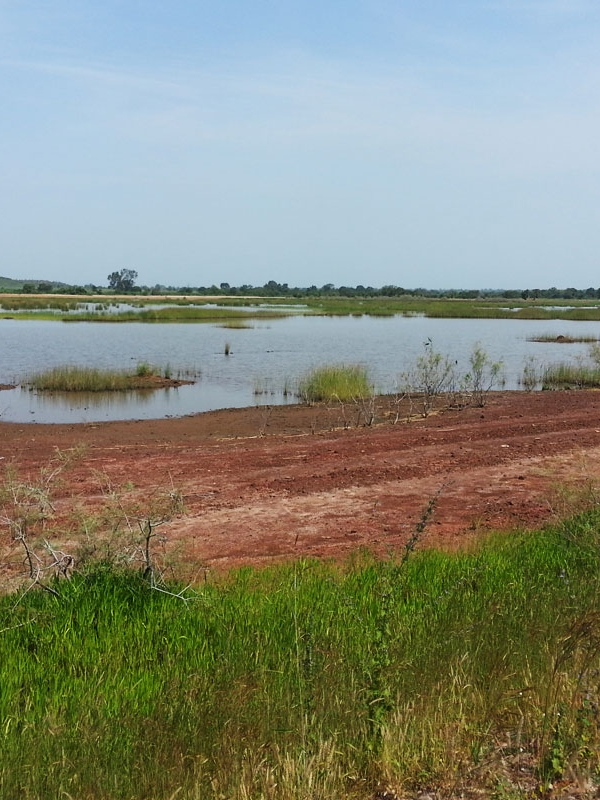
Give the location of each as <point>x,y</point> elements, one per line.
<point>89,379</point>
<point>309,680</point>
<point>571,376</point>
<point>31,303</point>
<point>341,382</point>
<point>79,379</point>
<point>180,313</point>
<point>552,338</point>
<point>144,369</point>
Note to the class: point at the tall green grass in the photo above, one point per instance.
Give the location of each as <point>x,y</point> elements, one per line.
<point>341,382</point>
<point>90,379</point>
<point>552,338</point>
<point>195,309</point>
<point>309,680</point>
<point>575,376</point>
<point>187,313</point>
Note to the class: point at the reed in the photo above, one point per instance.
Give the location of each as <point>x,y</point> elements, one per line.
<point>229,309</point>
<point>144,369</point>
<point>311,680</point>
<point>188,313</point>
<point>552,338</point>
<point>342,382</point>
<point>30,303</point>
<point>91,379</point>
<point>575,376</point>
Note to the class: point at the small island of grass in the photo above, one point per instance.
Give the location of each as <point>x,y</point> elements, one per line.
<point>92,379</point>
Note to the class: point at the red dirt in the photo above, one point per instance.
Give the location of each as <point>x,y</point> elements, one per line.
<point>260,484</point>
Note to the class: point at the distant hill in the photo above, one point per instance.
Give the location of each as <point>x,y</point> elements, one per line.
<point>15,285</point>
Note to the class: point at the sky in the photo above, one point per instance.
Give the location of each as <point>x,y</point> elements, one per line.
<point>418,143</point>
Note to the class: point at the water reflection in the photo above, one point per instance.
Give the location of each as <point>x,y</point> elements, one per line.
<point>85,400</point>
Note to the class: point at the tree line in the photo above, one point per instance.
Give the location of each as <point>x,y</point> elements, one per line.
<point>125,282</point>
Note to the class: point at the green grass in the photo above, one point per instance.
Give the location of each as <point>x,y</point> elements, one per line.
<point>341,382</point>
<point>571,376</point>
<point>90,379</point>
<point>188,313</point>
<point>309,680</point>
<point>193,309</point>
<point>456,308</point>
<point>144,369</point>
<point>552,338</point>
<point>32,302</point>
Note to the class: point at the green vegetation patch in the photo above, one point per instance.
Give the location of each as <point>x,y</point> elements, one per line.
<point>582,374</point>
<point>571,376</point>
<point>552,338</point>
<point>342,382</point>
<point>309,680</point>
<point>91,379</point>
<point>185,313</point>
<point>198,308</point>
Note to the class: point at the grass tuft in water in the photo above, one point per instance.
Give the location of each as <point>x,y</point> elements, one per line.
<point>574,376</point>
<point>91,379</point>
<point>552,338</point>
<point>342,383</point>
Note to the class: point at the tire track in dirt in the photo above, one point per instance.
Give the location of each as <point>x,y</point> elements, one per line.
<point>316,490</point>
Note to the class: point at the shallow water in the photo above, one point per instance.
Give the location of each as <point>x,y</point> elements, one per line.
<point>264,358</point>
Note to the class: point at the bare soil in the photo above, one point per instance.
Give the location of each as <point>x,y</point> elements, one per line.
<point>274,483</point>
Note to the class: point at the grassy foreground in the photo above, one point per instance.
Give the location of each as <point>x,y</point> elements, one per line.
<point>310,680</point>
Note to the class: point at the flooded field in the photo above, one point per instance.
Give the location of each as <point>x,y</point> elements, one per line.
<point>264,362</point>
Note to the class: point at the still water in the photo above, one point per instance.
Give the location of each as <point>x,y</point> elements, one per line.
<point>264,358</point>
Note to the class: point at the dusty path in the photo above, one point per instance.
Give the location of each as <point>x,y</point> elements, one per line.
<point>260,484</point>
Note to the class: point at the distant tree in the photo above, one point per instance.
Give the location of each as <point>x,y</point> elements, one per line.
<point>123,280</point>
<point>44,287</point>
<point>74,289</point>
<point>28,288</point>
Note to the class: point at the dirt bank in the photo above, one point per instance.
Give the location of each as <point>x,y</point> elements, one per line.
<point>271,483</point>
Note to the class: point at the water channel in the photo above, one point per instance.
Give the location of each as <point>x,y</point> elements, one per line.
<point>265,358</point>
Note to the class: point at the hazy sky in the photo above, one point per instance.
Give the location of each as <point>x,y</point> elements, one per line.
<point>434,143</point>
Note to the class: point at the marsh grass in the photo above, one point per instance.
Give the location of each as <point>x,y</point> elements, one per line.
<point>552,338</point>
<point>144,369</point>
<point>342,383</point>
<point>183,313</point>
<point>31,303</point>
<point>91,379</point>
<point>311,680</point>
<point>571,376</point>
<point>227,310</point>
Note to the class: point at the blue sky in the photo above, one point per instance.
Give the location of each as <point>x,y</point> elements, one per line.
<point>435,143</point>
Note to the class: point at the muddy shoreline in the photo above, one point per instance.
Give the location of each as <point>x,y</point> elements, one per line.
<point>271,483</point>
